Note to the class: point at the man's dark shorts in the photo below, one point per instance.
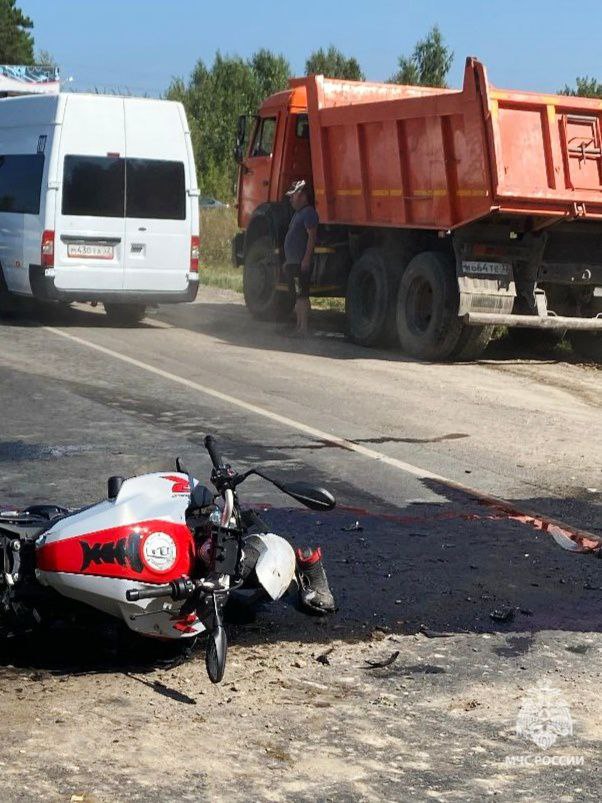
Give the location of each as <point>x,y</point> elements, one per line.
<point>298,280</point>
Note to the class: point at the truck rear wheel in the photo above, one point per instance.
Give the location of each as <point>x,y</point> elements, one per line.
<point>369,301</point>
<point>427,312</point>
<point>260,277</point>
<point>587,344</point>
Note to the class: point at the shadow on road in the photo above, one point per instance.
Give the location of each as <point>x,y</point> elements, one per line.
<point>229,322</point>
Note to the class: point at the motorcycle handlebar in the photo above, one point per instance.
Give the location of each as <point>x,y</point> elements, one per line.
<point>214,454</point>
<point>134,594</point>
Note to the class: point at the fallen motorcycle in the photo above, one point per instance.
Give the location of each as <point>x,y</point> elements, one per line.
<point>162,552</point>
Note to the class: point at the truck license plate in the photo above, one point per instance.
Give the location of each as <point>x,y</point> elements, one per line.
<point>486,268</point>
<point>89,251</point>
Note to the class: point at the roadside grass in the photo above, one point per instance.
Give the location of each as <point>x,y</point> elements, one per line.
<point>218,227</point>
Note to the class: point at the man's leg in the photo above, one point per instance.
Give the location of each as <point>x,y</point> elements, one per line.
<point>304,305</point>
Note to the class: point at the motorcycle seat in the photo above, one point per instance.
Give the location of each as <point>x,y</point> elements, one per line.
<point>31,522</point>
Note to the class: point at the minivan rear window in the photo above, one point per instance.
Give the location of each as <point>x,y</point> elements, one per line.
<point>155,189</point>
<point>21,183</point>
<point>100,186</point>
<point>93,186</point>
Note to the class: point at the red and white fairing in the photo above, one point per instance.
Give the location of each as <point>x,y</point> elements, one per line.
<point>138,539</point>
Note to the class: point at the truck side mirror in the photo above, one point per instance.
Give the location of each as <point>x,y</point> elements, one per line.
<point>238,155</point>
<point>241,130</point>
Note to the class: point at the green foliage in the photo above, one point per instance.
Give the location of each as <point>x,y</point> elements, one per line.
<point>213,99</point>
<point>585,87</point>
<point>333,64</point>
<point>428,65</point>
<point>16,44</point>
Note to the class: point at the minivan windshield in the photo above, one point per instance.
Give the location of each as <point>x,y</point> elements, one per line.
<point>105,186</point>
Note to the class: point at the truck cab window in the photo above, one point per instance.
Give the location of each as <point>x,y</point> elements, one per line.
<point>264,137</point>
<point>302,127</point>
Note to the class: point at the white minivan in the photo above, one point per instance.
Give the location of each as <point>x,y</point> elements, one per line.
<point>98,201</point>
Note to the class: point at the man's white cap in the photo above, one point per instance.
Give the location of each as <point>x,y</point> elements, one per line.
<point>296,186</point>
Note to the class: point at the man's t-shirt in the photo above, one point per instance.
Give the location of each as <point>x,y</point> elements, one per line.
<point>295,242</point>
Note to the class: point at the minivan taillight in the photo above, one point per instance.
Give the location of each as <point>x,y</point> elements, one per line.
<point>195,247</point>
<point>47,256</point>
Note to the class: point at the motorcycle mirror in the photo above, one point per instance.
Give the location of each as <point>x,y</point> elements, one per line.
<point>201,496</point>
<point>310,496</point>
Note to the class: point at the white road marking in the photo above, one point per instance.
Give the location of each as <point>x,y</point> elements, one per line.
<point>336,440</point>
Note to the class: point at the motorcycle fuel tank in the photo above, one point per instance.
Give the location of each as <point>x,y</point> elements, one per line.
<point>139,538</point>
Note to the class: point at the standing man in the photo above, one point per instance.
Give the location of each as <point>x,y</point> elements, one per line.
<point>299,247</point>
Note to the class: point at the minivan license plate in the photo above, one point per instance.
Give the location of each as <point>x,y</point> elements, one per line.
<point>90,251</point>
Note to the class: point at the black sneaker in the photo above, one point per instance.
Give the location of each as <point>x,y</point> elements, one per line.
<point>314,592</point>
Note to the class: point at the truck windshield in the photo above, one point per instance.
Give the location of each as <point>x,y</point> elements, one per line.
<point>104,186</point>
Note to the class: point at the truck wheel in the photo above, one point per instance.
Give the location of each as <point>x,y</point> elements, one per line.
<point>587,344</point>
<point>125,314</point>
<point>260,276</point>
<point>369,305</point>
<point>427,312</point>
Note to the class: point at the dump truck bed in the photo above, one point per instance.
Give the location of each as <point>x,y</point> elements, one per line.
<point>415,157</point>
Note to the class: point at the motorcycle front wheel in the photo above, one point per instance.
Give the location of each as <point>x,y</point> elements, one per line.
<point>215,654</point>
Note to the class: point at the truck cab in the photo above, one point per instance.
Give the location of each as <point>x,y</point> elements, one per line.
<point>275,154</point>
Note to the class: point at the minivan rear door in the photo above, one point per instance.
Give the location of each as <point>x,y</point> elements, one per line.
<point>90,225</point>
<point>158,215</point>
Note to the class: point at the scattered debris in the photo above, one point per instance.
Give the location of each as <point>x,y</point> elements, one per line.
<point>382,664</point>
<point>426,631</point>
<point>353,528</point>
<point>578,649</point>
<point>323,658</point>
<point>502,614</point>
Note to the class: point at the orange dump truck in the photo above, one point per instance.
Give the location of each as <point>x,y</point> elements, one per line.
<point>442,212</point>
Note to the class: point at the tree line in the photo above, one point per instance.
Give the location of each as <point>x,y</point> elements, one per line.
<point>216,94</point>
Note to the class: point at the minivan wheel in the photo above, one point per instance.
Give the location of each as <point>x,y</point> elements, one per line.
<point>125,314</point>
<point>427,312</point>
<point>260,277</point>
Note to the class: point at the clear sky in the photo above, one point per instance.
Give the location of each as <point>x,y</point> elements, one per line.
<point>141,44</point>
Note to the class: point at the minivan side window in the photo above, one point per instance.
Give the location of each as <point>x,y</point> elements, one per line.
<point>264,137</point>
<point>94,186</point>
<point>21,183</point>
<point>155,189</point>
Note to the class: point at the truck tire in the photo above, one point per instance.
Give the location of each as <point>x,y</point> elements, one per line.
<point>260,276</point>
<point>587,344</point>
<point>369,301</point>
<point>427,312</point>
<point>125,314</point>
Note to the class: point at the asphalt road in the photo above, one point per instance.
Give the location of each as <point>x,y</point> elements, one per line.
<point>419,574</point>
